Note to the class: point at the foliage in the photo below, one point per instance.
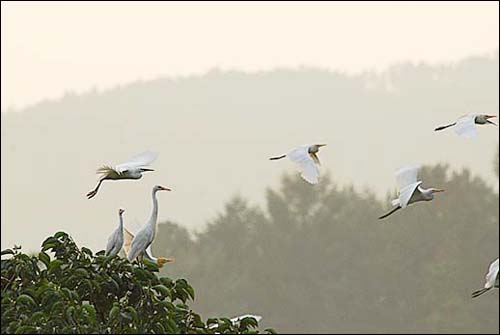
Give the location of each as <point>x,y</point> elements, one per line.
<point>76,291</point>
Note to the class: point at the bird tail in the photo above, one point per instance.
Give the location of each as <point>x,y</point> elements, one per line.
<point>279,157</point>
<point>444,127</point>
<point>477,293</point>
<point>392,211</point>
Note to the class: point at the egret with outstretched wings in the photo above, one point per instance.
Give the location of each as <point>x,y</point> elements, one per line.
<point>410,189</point>
<point>132,169</point>
<point>465,126</point>
<point>305,157</point>
<point>491,279</point>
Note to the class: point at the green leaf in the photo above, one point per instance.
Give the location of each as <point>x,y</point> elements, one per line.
<point>82,273</point>
<point>69,314</point>
<point>26,299</point>
<point>86,251</point>
<point>7,252</point>
<point>44,258</point>
<point>91,311</point>
<point>190,291</point>
<point>55,265</point>
<point>133,312</point>
<point>60,234</point>
<point>162,289</point>
<point>113,313</point>
<point>25,330</point>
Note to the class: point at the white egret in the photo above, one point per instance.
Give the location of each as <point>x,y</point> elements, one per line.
<point>236,320</point>
<point>128,237</point>
<point>465,125</point>
<point>145,236</point>
<point>306,159</point>
<point>115,241</point>
<point>491,279</point>
<point>132,169</point>
<point>410,190</point>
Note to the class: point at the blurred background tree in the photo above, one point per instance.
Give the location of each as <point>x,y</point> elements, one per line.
<point>318,260</point>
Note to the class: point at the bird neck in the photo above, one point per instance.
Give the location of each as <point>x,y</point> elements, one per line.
<point>154,213</point>
<point>120,223</point>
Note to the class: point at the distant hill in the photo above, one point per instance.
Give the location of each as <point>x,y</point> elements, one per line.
<point>215,133</point>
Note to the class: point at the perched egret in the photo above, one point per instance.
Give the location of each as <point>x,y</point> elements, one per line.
<point>410,190</point>
<point>491,279</point>
<point>236,320</point>
<point>306,159</point>
<point>145,236</point>
<point>128,236</point>
<point>465,126</point>
<point>115,241</point>
<point>132,169</point>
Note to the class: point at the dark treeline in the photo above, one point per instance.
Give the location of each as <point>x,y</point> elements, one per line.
<point>316,259</point>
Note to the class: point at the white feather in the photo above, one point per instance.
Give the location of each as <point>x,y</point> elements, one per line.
<point>300,156</point>
<point>141,160</point>
<point>492,274</point>
<point>466,127</point>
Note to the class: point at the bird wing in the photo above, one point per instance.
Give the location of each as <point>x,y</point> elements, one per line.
<point>407,176</point>
<point>111,242</point>
<point>142,159</point>
<point>301,157</point>
<point>466,127</point>
<point>139,244</point>
<point>127,240</point>
<point>406,193</point>
<point>149,254</point>
<point>492,274</point>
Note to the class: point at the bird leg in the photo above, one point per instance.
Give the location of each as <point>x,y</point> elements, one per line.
<point>392,211</point>
<point>92,193</point>
<point>444,127</point>
<point>479,292</point>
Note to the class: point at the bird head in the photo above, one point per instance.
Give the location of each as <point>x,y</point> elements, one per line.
<point>120,211</point>
<point>163,260</point>
<point>160,188</point>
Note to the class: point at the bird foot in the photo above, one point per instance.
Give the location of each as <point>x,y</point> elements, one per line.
<point>91,194</point>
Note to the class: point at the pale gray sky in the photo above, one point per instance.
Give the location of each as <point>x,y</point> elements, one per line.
<point>50,48</point>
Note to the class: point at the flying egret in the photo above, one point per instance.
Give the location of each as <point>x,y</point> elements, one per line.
<point>145,236</point>
<point>236,320</point>
<point>128,236</point>
<point>132,169</point>
<point>465,126</point>
<point>115,241</point>
<point>410,190</point>
<point>491,279</point>
<point>306,159</point>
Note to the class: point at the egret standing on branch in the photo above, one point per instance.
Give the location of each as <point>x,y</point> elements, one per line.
<point>128,237</point>
<point>132,169</point>
<point>306,159</point>
<point>465,126</point>
<point>410,190</point>
<point>491,279</point>
<point>145,236</point>
<point>115,241</point>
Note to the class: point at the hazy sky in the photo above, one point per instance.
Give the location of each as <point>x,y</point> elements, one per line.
<point>51,48</point>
